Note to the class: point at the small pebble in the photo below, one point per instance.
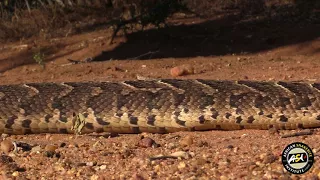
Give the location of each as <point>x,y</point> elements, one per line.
<point>24,146</point>
<point>186,141</point>
<point>229,146</point>
<point>146,142</point>
<point>7,146</point>
<point>176,71</point>
<point>91,163</point>
<point>50,151</point>
<point>103,167</point>
<point>36,149</point>
<point>171,146</point>
<point>48,136</point>
<point>181,154</point>
<point>181,165</point>
<point>15,174</point>
<point>235,150</point>
<point>4,159</point>
<point>181,70</point>
<point>50,148</point>
<point>81,164</point>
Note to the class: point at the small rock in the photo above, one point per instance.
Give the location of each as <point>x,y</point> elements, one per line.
<point>48,136</point>
<point>7,164</point>
<point>15,174</point>
<point>4,159</point>
<point>50,151</point>
<point>181,165</point>
<point>192,154</point>
<point>235,150</point>
<point>36,149</point>
<point>181,154</point>
<point>73,145</point>
<point>103,167</point>
<point>181,70</point>
<point>229,146</point>
<point>147,142</point>
<point>244,135</point>
<point>157,168</point>
<point>186,141</point>
<point>176,71</point>
<point>24,146</point>
<point>171,146</point>
<point>97,143</point>
<point>91,163</point>
<point>81,164</point>
<point>50,148</point>
<point>7,146</point>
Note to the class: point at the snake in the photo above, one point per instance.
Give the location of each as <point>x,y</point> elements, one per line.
<point>157,106</point>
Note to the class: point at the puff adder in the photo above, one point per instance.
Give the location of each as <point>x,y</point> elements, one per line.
<point>158,106</point>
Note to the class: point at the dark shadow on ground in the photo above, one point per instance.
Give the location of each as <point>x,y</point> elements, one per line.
<point>229,35</point>
<point>27,56</point>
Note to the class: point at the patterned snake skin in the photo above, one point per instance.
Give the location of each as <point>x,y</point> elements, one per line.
<point>158,106</point>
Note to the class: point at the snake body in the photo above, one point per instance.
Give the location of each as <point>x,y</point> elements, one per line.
<point>158,106</point>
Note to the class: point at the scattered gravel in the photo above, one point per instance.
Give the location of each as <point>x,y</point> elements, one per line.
<point>183,155</point>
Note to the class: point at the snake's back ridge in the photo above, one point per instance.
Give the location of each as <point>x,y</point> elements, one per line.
<point>158,106</point>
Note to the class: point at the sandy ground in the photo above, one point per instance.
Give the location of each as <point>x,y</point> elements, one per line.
<point>215,49</point>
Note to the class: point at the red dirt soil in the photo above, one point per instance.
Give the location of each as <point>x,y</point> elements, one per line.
<point>260,53</point>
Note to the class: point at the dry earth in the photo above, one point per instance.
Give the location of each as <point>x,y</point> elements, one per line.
<point>215,50</point>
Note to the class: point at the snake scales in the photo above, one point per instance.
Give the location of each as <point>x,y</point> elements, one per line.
<point>159,106</point>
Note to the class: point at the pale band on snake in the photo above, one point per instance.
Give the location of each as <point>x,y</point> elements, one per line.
<point>157,106</point>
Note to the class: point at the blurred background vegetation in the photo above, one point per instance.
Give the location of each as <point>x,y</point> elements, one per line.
<point>52,18</point>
